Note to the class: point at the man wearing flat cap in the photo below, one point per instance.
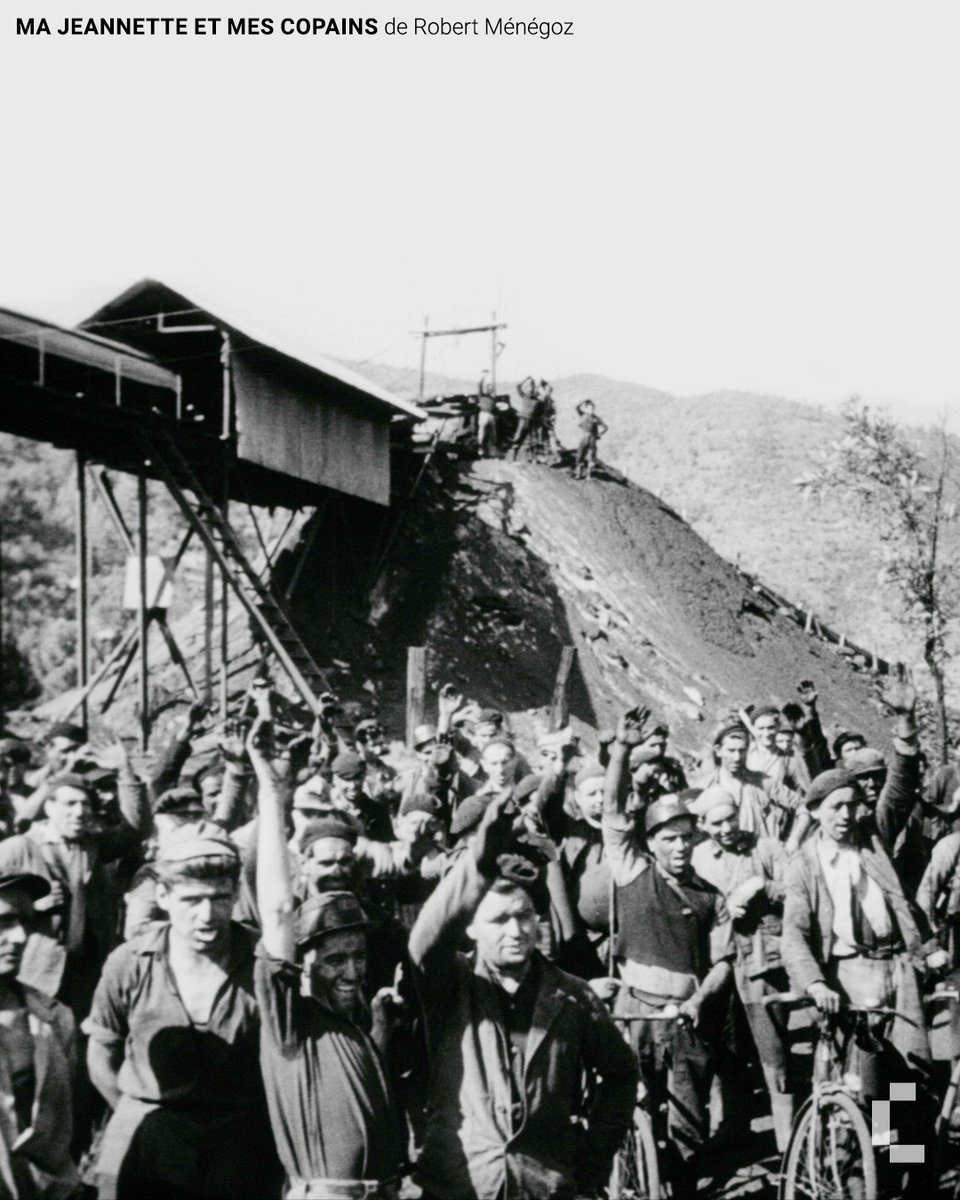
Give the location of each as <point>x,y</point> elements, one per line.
<point>38,1063</point>
<point>510,1038</point>
<point>331,1108</point>
<point>748,871</point>
<point>673,948</point>
<point>850,934</point>
<point>175,1037</point>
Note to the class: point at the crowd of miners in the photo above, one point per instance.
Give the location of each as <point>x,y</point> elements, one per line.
<point>284,959</point>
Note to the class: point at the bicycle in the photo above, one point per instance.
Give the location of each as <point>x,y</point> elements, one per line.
<point>636,1167</point>
<point>830,1154</point>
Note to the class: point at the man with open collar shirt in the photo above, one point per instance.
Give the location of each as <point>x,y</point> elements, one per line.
<point>674,949</point>
<point>748,871</point>
<point>510,1038</point>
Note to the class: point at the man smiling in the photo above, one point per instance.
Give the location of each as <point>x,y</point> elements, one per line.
<point>333,1116</point>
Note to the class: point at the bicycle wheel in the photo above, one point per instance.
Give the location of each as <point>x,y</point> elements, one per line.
<point>830,1157</point>
<point>636,1172</point>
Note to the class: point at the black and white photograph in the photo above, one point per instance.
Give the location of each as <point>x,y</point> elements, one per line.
<point>480,601</point>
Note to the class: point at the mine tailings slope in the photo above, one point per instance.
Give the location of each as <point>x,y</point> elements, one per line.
<point>510,561</point>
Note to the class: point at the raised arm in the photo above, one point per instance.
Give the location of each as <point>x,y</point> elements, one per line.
<point>440,927</point>
<point>619,833</point>
<point>274,886</point>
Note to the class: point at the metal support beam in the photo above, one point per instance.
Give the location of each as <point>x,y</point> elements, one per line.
<point>208,605</point>
<point>142,608</point>
<point>83,594</point>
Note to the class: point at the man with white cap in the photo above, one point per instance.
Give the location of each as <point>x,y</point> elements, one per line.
<point>174,1041</point>
<point>331,1108</point>
<point>748,871</point>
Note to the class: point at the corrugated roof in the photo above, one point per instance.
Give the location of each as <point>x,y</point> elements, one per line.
<point>255,327</point>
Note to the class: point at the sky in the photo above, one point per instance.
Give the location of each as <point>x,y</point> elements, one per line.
<point>689,195</point>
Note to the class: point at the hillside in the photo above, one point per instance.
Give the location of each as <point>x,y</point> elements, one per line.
<point>497,566</point>
<point>727,462</point>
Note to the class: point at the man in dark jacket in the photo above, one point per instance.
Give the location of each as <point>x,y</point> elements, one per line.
<point>510,1038</point>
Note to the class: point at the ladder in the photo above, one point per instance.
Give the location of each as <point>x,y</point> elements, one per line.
<point>221,542</point>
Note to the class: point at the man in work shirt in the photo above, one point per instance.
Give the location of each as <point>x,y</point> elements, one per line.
<point>510,1038</point>
<point>674,948</point>
<point>38,1063</point>
<point>333,1116</point>
<point>748,872</point>
<point>766,806</point>
<point>174,1041</point>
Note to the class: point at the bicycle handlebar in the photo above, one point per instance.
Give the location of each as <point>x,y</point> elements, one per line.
<point>879,1010</point>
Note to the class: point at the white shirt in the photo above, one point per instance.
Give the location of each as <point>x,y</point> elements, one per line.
<point>843,872</point>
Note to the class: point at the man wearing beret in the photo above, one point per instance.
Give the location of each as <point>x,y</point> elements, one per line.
<point>850,935</point>
<point>748,871</point>
<point>38,1063</point>
<point>349,771</point>
<point>674,948</point>
<point>510,1038</point>
<point>331,1107</point>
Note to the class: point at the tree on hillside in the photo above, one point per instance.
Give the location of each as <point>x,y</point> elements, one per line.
<point>909,499</point>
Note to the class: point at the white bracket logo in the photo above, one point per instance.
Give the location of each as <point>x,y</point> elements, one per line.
<point>880,1124</point>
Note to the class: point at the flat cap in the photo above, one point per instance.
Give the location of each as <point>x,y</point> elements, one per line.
<point>330,912</point>
<point>423,734</point>
<point>827,782</point>
<point>331,825</point>
<point>712,797</point>
<point>203,840</point>
<point>348,765</point>
<point>728,729</point>
<point>590,770</point>
<point>663,811</point>
<point>34,885</point>
<point>527,787</point>
<point>183,800</point>
<point>843,738</point>
<point>866,761</point>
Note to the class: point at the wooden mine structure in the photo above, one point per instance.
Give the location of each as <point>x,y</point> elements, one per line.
<point>159,386</point>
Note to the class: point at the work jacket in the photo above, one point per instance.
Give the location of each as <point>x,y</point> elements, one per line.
<point>757,933</point>
<point>476,1148</point>
<point>808,932</point>
<point>36,1162</point>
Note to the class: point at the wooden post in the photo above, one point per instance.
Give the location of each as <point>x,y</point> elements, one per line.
<point>416,688</point>
<point>142,607</point>
<point>83,609</point>
<point>493,354</point>
<point>559,710</point>
<point>423,356</point>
